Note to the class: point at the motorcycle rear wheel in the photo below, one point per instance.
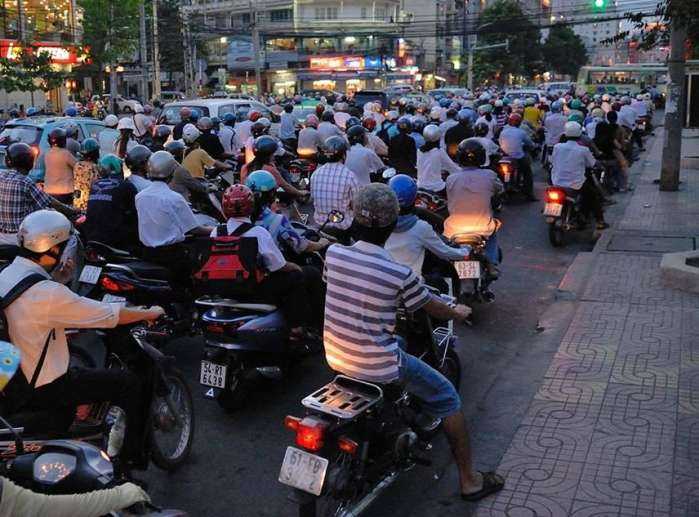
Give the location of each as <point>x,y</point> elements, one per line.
<point>234,397</point>
<point>451,368</point>
<point>557,233</point>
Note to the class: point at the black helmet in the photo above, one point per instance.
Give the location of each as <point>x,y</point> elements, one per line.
<point>404,125</point>
<point>451,113</point>
<point>288,108</point>
<point>419,124</point>
<point>72,130</point>
<point>328,116</point>
<point>352,121</point>
<point>176,148</point>
<point>57,137</point>
<point>264,146</point>
<point>258,129</point>
<point>137,158</point>
<point>161,133</point>
<point>356,134</point>
<point>20,157</point>
<point>481,129</point>
<point>335,149</point>
<point>470,153</point>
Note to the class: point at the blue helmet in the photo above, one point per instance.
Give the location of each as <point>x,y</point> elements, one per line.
<point>32,111</point>
<point>405,189</point>
<point>71,112</point>
<point>444,102</point>
<point>557,107</point>
<point>229,119</point>
<point>261,181</point>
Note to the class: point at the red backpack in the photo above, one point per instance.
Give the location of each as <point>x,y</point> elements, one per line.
<point>231,268</point>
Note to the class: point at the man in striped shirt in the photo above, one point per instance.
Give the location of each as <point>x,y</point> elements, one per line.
<point>364,288</point>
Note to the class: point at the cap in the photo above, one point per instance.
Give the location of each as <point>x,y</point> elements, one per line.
<point>375,206</point>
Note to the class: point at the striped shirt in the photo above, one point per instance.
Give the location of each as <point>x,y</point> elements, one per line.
<point>365,287</point>
<point>332,187</point>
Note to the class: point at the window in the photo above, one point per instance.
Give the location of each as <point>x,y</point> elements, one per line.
<point>332,13</point>
<point>380,13</point>
<point>363,13</point>
<point>281,15</point>
<point>320,13</point>
<point>240,20</point>
<point>221,22</point>
<point>93,130</point>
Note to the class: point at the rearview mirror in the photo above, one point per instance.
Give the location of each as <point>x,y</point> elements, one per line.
<point>388,174</point>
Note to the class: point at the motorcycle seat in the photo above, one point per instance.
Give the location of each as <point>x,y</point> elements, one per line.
<point>148,270</point>
<point>213,301</point>
<point>45,423</point>
<point>109,251</point>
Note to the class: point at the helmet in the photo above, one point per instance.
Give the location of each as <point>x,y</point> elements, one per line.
<point>90,147</point>
<point>639,97</point>
<point>499,103</point>
<point>481,129</point>
<point>575,104</point>
<point>356,134</point>
<point>464,116</point>
<point>626,99</point>
<point>31,111</point>
<point>288,108</point>
<point>320,109</point>
<point>451,113</point>
<point>515,119</point>
<point>111,121</point>
<point>369,123</point>
<point>176,149</point>
<point>575,117</point>
<point>557,107</point>
<point>264,146</point>
<point>161,165</point>
<point>229,119</point>
<point>647,96</point>
<point>147,109</point>
<point>215,122</point>
<point>418,124</point>
<point>606,97</point>
<point>137,157</point>
<point>573,130</point>
<point>57,137</point>
<point>110,165</point>
<point>444,102</point>
<point>190,134</point>
<point>598,113</point>
<point>258,129</point>
<point>71,129</point>
<point>238,201</point>
<point>71,112</point>
<point>405,188</point>
<point>403,101</point>
<point>375,206</point>
<point>185,113</point>
<point>204,124</point>
<point>261,181</point>
<point>529,101</point>
<point>162,133</point>
<point>352,121</point>
<point>42,230</point>
<point>10,358</point>
<point>392,115</point>
<point>435,114</point>
<point>335,149</point>
<point>432,133</point>
<point>328,116</point>
<point>312,121</point>
<point>470,153</point>
<point>126,123</point>
<point>253,115</point>
<point>404,125</point>
<point>19,157</point>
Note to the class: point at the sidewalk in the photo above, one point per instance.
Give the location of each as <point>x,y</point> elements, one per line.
<point>614,427</point>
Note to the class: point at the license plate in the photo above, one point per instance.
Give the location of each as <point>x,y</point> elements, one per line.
<point>110,298</point>
<point>212,374</point>
<point>303,470</point>
<point>90,274</point>
<point>468,269</point>
<point>553,209</point>
<point>506,177</point>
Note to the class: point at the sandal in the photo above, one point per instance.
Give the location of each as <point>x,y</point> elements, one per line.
<point>492,483</point>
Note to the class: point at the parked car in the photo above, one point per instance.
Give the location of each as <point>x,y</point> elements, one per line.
<point>171,96</point>
<point>446,91</point>
<point>524,93</point>
<point>317,93</point>
<point>560,88</point>
<point>363,96</point>
<point>170,115</point>
<point>399,89</point>
<point>35,130</point>
<point>124,105</point>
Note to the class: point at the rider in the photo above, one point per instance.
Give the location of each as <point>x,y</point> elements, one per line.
<point>448,123</point>
<point>570,162</point>
<point>19,196</point>
<point>108,135</point>
<point>360,159</point>
<point>457,133</point>
<point>46,383</point>
<point>373,141</point>
<point>85,172</point>
<point>185,118</point>
<point>227,135</point>
<point>196,158</point>
<point>182,181</point>
<point>160,136</point>
<point>486,117</point>
<point>402,151</point>
<point>514,141</point>
<point>469,194</point>
<point>327,127</point>
<point>432,160</point>
<point>72,142</point>
<point>481,136</point>
<point>126,140</point>
<point>359,334</point>
<point>137,162</point>
<point>208,140</point>
<point>309,140</point>
<point>553,126</point>
<point>265,148</point>
<point>59,163</point>
<point>287,128</point>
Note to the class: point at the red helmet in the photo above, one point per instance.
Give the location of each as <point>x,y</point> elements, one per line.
<point>515,119</point>
<point>238,201</point>
<point>253,116</point>
<point>320,108</point>
<point>369,123</point>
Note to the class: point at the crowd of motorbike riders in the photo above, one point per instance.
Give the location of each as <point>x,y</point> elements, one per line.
<point>140,186</point>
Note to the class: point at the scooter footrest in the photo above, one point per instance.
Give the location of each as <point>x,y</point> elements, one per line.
<point>344,397</point>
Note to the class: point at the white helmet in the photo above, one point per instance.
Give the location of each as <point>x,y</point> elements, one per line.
<point>265,122</point>
<point>161,165</point>
<point>435,114</point>
<point>647,96</point>
<point>138,108</point>
<point>111,121</point>
<point>573,130</point>
<point>190,133</point>
<point>626,99</point>
<point>431,133</point>
<point>42,230</point>
<point>498,103</point>
<point>126,123</point>
<point>606,97</point>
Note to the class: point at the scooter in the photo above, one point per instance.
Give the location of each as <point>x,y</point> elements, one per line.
<point>476,268</point>
<point>563,213</point>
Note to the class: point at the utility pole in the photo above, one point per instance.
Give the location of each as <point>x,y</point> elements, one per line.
<point>256,46</point>
<point>672,147</point>
<point>156,53</point>
<point>187,51</point>
<point>21,33</point>
<point>143,50</point>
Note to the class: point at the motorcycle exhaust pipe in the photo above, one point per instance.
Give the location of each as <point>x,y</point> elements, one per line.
<point>356,509</point>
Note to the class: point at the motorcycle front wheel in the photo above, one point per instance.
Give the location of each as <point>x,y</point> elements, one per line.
<point>172,423</point>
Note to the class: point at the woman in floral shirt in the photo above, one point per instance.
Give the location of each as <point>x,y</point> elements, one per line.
<point>85,172</point>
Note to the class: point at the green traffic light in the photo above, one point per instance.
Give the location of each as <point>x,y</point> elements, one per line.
<point>599,3</point>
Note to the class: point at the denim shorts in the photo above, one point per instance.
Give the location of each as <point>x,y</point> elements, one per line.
<point>438,396</point>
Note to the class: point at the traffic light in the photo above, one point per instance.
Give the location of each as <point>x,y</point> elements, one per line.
<point>600,5</point>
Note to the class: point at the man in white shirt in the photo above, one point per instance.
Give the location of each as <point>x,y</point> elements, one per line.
<point>109,135</point>
<point>554,124</point>
<point>37,320</point>
<point>361,160</point>
<point>447,124</point>
<point>309,139</point>
<point>227,135</point>
<point>569,163</point>
<point>327,127</point>
<point>287,128</point>
<point>432,160</point>
<point>244,129</point>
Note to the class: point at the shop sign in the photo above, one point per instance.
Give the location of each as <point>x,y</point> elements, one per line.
<point>60,55</point>
<point>372,62</point>
<point>337,63</point>
<point>241,53</point>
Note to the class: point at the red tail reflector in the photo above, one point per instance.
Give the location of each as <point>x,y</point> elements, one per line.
<point>347,445</point>
<point>292,423</point>
<point>311,433</point>
<point>115,286</point>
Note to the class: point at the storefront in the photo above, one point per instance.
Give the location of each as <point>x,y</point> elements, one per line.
<point>342,73</point>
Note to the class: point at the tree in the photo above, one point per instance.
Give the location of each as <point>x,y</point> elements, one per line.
<point>29,71</point>
<point>170,35</point>
<point>504,20</point>
<point>564,51</point>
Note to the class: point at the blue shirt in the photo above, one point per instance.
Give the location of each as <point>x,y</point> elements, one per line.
<point>287,129</point>
<point>513,140</point>
<point>282,231</point>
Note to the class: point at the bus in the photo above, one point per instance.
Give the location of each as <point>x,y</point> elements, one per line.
<point>625,79</point>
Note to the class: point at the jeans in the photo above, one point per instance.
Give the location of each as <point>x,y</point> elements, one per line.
<point>492,250</point>
<point>299,294</point>
<point>438,396</point>
<point>525,168</point>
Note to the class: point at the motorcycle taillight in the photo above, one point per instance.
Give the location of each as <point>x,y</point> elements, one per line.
<point>310,431</point>
<point>115,286</point>
<point>555,196</point>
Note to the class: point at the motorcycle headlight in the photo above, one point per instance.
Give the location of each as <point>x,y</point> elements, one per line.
<point>52,467</point>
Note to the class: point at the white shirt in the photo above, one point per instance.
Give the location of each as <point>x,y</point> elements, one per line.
<point>142,123</point>
<point>164,217</point>
<point>242,130</point>
<point>568,162</point>
<point>490,147</point>
<point>226,135</point>
<point>341,119</point>
<point>43,307</point>
<point>272,258</point>
<point>430,166</point>
<point>139,182</point>
<point>327,129</point>
<point>627,117</point>
<point>409,247</point>
<point>444,127</point>
<point>376,144</point>
<point>640,108</point>
<point>491,125</point>
<point>362,161</point>
<point>106,139</point>
<point>309,141</point>
<point>554,126</point>
<point>469,194</point>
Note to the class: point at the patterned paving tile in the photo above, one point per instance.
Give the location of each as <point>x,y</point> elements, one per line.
<point>590,509</point>
<point>687,449</point>
<point>689,389</point>
<point>685,496</point>
<point>643,491</point>
<point>552,443</point>
<point>644,322</point>
<point>652,368</point>
<point>581,366</point>
<point>581,339</point>
<point>639,397</point>
<point>598,315</point>
<point>571,391</point>
<point>637,439</point>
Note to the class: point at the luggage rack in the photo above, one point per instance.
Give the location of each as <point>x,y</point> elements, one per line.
<point>344,397</point>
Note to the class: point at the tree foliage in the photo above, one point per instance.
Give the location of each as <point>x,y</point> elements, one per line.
<point>564,51</point>
<point>29,71</point>
<point>170,35</point>
<point>110,30</point>
<point>523,57</point>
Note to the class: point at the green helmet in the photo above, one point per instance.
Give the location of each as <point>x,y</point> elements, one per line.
<point>575,104</point>
<point>261,181</point>
<point>90,145</point>
<point>575,117</point>
<point>111,165</point>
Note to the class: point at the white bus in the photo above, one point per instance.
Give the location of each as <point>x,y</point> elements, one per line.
<point>622,78</point>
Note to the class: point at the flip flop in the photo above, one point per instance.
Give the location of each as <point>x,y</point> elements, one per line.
<point>492,483</point>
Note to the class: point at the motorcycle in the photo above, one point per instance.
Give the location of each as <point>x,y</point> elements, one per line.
<point>476,268</point>
<point>509,175</point>
<point>563,213</point>
<point>356,438</point>
<point>300,171</point>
